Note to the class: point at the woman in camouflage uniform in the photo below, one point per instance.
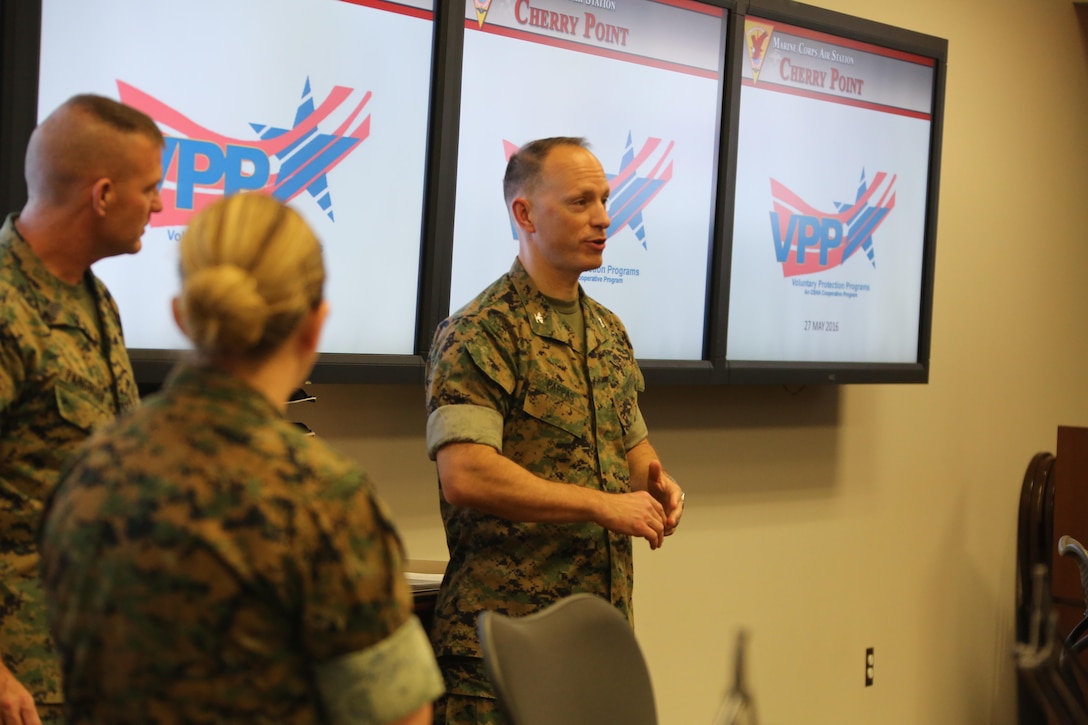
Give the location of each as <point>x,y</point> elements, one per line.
<point>204,560</point>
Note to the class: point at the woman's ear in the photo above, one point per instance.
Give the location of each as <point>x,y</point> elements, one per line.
<point>312,325</point>
<point>179,320</point>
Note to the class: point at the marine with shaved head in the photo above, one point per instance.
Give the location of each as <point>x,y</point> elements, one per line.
<point>93,169</point>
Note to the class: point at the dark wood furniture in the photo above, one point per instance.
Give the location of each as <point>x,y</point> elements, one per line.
<point>1053,504</point>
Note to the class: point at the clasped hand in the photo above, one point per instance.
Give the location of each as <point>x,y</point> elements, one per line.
<point>652,514</point>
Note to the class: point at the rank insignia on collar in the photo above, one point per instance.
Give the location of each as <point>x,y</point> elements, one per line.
<point>539,318</point>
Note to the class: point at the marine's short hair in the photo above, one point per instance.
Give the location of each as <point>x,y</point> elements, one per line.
<point>523,170</point>
<point>84,138</point>
<point>116,115</point>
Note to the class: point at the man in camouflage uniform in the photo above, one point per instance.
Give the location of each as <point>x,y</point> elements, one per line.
<point>205,561</point>
<point>92,170</point>
<point>544,465</point>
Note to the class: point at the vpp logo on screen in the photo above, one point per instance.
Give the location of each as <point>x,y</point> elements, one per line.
<point>630,193</point>
<point>201,166</point>
<point>807,241</point>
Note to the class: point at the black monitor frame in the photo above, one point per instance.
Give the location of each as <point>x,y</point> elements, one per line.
<point>20,26</point>
<point>874,33</point>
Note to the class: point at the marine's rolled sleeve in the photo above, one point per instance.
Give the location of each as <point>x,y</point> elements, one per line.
<point>463,424</point>
<point>384,683</point>
<point>637,433</point>
<point>469,380</point>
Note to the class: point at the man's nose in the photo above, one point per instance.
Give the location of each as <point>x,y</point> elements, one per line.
<point>601,218</point>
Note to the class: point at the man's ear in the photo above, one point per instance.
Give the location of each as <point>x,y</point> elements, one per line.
<point>101,196</point>
<point>522,213</point>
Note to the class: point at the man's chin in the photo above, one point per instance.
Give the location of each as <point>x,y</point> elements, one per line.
<point>593,261</point>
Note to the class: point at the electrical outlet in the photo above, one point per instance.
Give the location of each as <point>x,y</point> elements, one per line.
<point>870,666</point>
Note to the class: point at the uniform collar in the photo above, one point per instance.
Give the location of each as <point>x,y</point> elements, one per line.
<point>45,291</point>
<point>213,384</point>
<point>543,318</point>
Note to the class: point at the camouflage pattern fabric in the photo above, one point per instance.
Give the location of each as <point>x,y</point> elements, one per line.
<point>564,417</point>
<point>62,374</point>
<point>203,559</point>
<point>52,714</point>
<point>452,709</point>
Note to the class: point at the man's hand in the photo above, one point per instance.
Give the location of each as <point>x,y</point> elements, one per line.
<point>635,514</point>
<point>16,704</point>
<point>663,488</point>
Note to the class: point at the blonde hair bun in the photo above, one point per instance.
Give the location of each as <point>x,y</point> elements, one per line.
<point>251,268</point>
<point>224,309</point>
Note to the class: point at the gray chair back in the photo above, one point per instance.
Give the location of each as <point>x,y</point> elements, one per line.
<point>576,662</point>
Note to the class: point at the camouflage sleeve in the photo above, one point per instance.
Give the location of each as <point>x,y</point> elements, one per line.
<point>638,431</point>
<point>471,364</point>
<point>376,664</point>
<point>356,594</point>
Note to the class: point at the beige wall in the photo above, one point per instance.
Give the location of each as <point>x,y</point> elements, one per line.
<point>831,519</point>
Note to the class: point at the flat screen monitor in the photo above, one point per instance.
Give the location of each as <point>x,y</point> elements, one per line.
<point>830,267</point>
<point>322,103</point>
<point>642,81</point>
